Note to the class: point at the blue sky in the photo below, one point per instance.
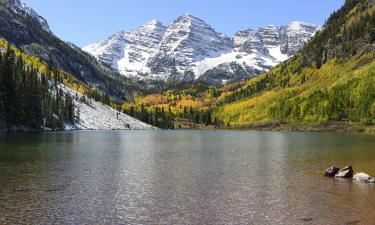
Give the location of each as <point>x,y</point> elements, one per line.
<point>86,21</point>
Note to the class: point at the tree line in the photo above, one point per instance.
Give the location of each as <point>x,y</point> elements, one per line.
<point>30,100</point>
<point>165,119</point>
<point>155,116</point>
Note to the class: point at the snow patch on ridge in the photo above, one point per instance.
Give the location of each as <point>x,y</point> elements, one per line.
<point>97,116</point>
<point>277,54</point>
<point>250,60</point>
<point>18,6</point>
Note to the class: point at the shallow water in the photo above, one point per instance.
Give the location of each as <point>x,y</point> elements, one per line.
<point>184,177</point>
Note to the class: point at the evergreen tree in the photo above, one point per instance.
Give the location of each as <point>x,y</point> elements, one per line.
<point>29,99</point>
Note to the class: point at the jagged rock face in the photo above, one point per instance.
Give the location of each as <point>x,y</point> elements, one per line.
<point>23,27</point>
<point>295,35</point>
<point>270,36</point>
<point>289,39</point>
<point>249,41</point>
<point>109,51</point>
<point>188,40</point>
<point>20,7</point>
<point>227,72</point>
<point>127,51</point>
<point>189,45</point>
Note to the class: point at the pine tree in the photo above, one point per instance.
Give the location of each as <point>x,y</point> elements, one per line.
<point>29,99</point>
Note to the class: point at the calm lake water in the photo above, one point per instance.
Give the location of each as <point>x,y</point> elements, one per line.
<point>184,177</point>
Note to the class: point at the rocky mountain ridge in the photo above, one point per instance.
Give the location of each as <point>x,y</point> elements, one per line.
<point>22,27</point>
<point>190,49</point>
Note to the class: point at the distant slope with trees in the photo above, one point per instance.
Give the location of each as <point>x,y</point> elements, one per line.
<point>331,79</point>
<point>30,100</point>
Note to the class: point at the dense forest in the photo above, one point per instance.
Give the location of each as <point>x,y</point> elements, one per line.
<point>30,100</point>
<point>168,109</point>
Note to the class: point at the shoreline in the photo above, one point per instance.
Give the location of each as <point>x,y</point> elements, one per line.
<point>330,126</point>
<point>277,126</point>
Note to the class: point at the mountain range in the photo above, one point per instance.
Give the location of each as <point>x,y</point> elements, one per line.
<point>189,49</point>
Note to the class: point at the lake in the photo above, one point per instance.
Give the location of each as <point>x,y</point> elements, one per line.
<point>184,177</point>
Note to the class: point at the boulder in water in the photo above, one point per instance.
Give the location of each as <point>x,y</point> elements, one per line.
<point>331,172</point>
<point>363,177</point>
<point>346,172</point>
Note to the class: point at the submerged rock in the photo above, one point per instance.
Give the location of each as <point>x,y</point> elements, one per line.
<point>346,172</point>
<point>331,172</point>
<point>363,177</point>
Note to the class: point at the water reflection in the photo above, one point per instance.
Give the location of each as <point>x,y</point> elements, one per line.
<point>185,177</point>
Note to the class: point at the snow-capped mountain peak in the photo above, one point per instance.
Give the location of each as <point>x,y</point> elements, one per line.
<point>151,26</point>
<point>127,51</point>
<point>295,35</point>
<point>187,40</point>
<point>189,47</point>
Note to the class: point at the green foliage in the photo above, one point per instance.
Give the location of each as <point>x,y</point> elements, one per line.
<point>155,116</point>
<point>29,99</point>
<point>353,100</point>
<point>348,31</point>
<point>332,78</point>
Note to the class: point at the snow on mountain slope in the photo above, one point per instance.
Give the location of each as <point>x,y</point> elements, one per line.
<point>189,48</point>
<point>128,51</point>
<point>109,51</point>
<point>253,60</point>
<point>261,49</point>
<point>96,116</point>
<point>20,7</point>
<point>187,40</point>
<point>294,36</point>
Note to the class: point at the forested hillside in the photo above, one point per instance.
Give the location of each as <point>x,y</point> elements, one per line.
<point>24,28</point>
<point>30,100</point>
<point>182,107</point>
<point>332,78</point>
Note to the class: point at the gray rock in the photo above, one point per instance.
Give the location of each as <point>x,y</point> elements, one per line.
<point>363,177</point>
<point>331,172</point>
<point>346,172</point>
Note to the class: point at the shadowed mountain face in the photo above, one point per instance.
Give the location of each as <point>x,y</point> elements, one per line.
<point>190,49</point>
<point>23,27</point>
